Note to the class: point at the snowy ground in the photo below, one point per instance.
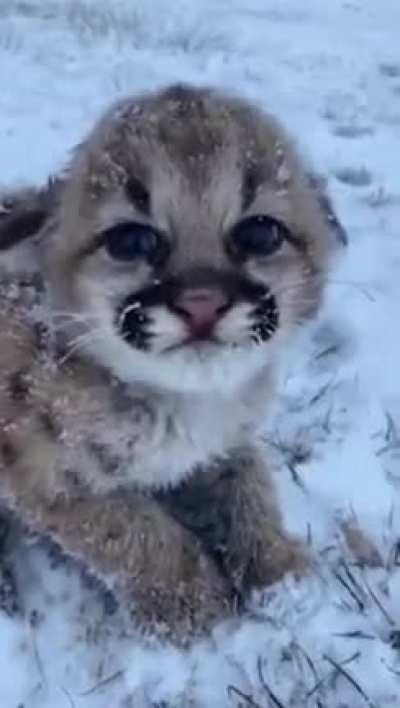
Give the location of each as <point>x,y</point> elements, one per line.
<point>331,71</point>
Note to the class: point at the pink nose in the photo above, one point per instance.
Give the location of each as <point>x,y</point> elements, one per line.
<point>201,308</point>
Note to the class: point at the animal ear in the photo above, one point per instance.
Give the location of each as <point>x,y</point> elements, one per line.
<point>318,185</point>
<point>24,213</point>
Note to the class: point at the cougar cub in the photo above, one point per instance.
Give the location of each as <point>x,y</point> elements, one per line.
<point>175,257</point>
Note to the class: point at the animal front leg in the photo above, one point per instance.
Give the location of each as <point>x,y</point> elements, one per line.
<point>233,510</point>
<point>257,550</point>
<point>144,557</point>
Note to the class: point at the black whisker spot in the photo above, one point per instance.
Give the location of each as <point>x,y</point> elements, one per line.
<point>266,316</point>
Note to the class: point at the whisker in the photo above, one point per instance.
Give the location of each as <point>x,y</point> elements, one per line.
<point>69,314</point>
<point>73,316</point>
<point>82,340</point>
<point>69,319</point>
<point>362,287</point>
<point>130,308</point>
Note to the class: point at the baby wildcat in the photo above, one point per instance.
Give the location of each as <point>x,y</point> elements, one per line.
<point>174,260</point>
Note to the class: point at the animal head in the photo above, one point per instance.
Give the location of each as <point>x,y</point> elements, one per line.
<point>187,241</point>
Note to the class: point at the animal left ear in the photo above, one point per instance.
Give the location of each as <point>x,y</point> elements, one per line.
<point>24,213</point>
<point>318,185</point>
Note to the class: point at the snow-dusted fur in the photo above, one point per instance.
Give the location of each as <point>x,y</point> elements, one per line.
<point>95,426</point>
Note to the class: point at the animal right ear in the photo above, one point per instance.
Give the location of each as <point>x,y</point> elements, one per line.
<point>24,213</point>
<point>318,185</point>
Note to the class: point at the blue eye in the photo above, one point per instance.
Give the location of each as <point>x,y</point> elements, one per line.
<point>258,235</point>
<point>131,240</point>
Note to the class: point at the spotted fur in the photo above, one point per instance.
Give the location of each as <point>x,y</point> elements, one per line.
<point>143,463</point>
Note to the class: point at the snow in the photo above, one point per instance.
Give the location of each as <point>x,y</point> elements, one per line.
<point>331,72</point>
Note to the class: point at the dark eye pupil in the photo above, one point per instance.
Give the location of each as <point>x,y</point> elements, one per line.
<point>128,241</point>
<point>258,235</point>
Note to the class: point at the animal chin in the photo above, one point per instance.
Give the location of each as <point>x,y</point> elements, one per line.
<point>197,367</point>
<point>199,345</point>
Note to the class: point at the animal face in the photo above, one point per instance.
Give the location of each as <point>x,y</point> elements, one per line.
<point>189,242</point>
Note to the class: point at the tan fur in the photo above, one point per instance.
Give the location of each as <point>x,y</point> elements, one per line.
<point>160,490</point>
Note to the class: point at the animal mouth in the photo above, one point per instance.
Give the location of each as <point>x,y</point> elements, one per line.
<point>196,343</point>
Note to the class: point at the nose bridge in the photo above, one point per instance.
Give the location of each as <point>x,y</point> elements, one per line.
<point>198,244</point>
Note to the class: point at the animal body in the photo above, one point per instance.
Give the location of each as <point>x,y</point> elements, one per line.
<point>169,267</point>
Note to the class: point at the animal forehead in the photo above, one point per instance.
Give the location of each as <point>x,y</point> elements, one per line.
<point>195,130</point>
<point>184,121</point>
<point>190,150</point>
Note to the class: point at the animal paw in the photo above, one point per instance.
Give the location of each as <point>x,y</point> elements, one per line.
<point>266,559</point>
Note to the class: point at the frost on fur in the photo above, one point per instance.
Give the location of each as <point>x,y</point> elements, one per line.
<point>137,361</point>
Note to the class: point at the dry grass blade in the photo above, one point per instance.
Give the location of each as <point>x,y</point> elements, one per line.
<point>243,696</point>
<point>293,456</point>
<point>273,698</point>
<point>104,682</point>
<point>396,554</point>
<point>36,654</point>
<point>317,686</point>
<point>393,556</point>
<point>359,542</point>
<point>391,436</point>
<point>309,535</point>
<point>352,593</point>
<point>351,577</point>
<point>308,660</point>
<point>357,634</point>
<point>378,603</point>
<point>391,516</point>
<point>392,670</point>
<point>325,678</point>
<point>391,429</point>
<point>326,352</point>
<point>296,477</point>
<point>339,668</point>
<point>68,697</point>
<point>321,393</point>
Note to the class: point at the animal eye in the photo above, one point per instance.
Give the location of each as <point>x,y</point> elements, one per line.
<point>131,240</point>
<point>258,235</point>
